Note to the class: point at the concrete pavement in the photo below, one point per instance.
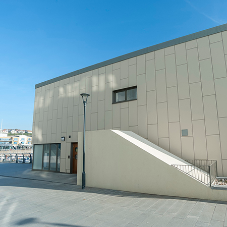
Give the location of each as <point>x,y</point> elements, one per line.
<point>19,170</point>
<point>30,198</point>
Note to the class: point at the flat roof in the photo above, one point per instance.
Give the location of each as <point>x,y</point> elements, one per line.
<point>146,50</point>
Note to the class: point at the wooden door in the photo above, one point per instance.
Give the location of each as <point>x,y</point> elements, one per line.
<point>75,150</point>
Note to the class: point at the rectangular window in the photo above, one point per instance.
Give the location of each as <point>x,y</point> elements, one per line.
<point>46,151</point>
<point>120,96</point>
<point>53,158</point>
<point>5,139</point>
<point>37,160</point>
<point>132,94</point>
<point>59,157</point>
<point>124,95</point>
<point>47,157</point>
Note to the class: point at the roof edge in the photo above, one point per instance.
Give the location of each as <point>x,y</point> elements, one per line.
<point>197,35</point>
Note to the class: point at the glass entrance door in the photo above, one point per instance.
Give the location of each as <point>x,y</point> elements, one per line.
<point>59,157</point>
<point>53,157</point>
<point>46,154</point>
<point>47,157</point>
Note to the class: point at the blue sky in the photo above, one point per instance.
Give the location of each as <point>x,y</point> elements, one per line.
<point>43,39</point>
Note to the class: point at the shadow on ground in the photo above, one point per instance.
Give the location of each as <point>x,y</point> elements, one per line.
<point>31,221</point>
<point>24,170</point>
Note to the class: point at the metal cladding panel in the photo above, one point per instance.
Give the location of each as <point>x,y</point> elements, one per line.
<point>146,50</point>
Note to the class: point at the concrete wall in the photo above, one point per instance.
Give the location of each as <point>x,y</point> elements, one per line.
<point>179,87</point>
<point>113,162</point>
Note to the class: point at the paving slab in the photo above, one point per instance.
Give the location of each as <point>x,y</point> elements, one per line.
<point>189,221</point>
<point>207,212</point>
<point>215,223</point>
<point>219,212</point>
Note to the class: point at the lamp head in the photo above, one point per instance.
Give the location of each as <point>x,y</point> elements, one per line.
<point>84,96</point>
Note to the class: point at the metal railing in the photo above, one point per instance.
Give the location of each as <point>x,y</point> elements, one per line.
<point>201,163</point>
<point>14,151</point>
<point>16,158</point>
<point>204,171</point>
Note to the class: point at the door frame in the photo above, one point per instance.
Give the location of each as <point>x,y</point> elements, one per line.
<point>71,156</point>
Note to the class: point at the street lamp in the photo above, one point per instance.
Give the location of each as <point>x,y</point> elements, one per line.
<point>84,97</point>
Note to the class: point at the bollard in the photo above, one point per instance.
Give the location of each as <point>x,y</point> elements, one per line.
<point>23,159</point>
<point>30,158</point>
<point>16,158</point>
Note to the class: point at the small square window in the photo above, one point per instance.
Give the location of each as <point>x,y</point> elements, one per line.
<point>120,96</point>
<point>184,132</point>
<point>132,94</point>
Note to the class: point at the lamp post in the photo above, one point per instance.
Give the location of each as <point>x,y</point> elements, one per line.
<point>84,97</point>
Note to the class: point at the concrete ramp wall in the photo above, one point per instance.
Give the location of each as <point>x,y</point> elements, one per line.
<point>123,160</point>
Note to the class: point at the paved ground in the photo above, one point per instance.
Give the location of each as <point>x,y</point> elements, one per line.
<point>24,171</point>
<point>50,199</point>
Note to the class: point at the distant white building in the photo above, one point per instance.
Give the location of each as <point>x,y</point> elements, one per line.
<point>28,131</point>
<point>5,130</point>
<point>20,131</point>
<point>12,131</point>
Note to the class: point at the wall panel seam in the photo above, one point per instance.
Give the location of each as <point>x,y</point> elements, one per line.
<point>189,98</point>
<point>224,54</point>
<point>217,109</point>
<point>178,99</point>
<point>167,104</point>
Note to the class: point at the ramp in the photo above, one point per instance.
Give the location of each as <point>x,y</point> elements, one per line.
<point>167,157</point>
